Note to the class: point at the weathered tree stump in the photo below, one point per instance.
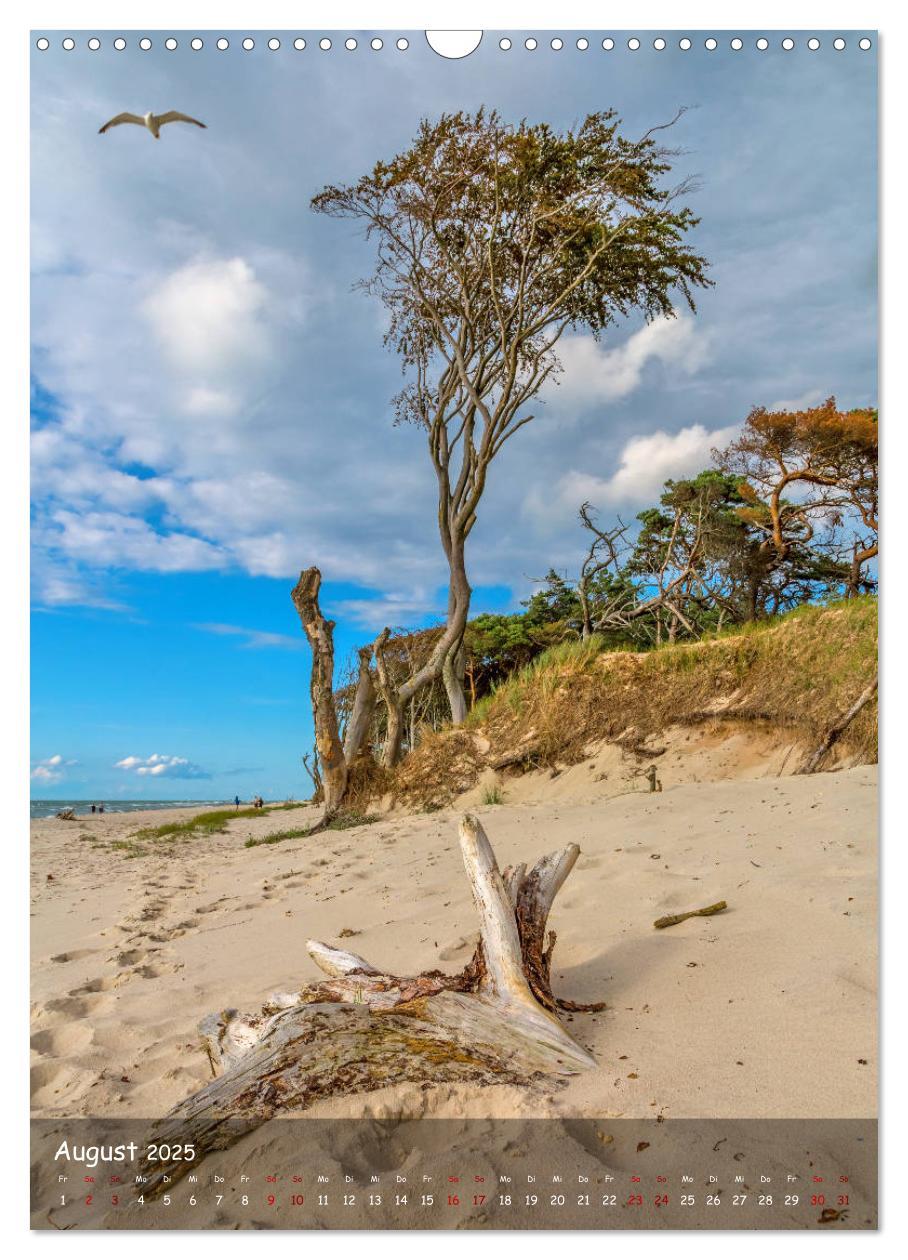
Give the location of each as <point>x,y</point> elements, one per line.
<point>362,1028</point>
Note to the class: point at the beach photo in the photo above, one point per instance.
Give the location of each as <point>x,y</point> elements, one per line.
<point>454,637</point>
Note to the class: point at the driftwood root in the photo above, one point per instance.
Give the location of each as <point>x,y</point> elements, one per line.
<point>361,1028</point>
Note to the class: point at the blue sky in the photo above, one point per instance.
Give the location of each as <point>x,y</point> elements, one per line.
<point>211,400</point>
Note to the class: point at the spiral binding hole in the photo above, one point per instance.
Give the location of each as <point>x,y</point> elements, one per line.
<point>505,43</point>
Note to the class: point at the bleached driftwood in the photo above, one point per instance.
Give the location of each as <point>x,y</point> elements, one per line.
<point>361,1028</point>
<point>841,724</point>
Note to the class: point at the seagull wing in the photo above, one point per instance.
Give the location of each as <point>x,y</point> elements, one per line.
<point>121,118</point>
<point>174,115</point>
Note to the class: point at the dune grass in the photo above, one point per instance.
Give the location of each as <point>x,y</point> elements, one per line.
<point>348,818</point>
<point>211,822</point>
<point>275,837</point>
<point>343,821</point>
<point>796,672</point>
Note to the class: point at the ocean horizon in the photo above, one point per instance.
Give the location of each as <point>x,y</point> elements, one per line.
<point>48,808</point>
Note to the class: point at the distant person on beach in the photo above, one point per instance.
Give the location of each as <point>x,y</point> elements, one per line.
<point>93,808</point>
<point>100,809</point>
<point>236,802</point>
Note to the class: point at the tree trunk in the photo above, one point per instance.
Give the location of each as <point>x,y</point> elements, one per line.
<point>586,629</point>
<point>447,660</point>
<point>452,673</point>
<point>471,675</point>
<point>363,708</point>
<point>494,1023</point>
<point>394,726</point>
<point>859,558</point>
<point>454,663</point>
<point>320,634</point>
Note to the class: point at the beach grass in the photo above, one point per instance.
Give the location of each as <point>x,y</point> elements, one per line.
<point>798,672</point>
<point>211,822</point>
<point>340,822</point>
<point>348,818</point>
<point>294,833</point>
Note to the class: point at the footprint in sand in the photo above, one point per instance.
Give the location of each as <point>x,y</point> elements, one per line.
<point>51,1080</point>
<point>152,971</point>
<point>117,1039</point>
<point>100,985</point>
<point>66,1040</point>
<point>153,910</point>
<point>73,955</point>
<point>79,1007</point>
<point>131,957</point>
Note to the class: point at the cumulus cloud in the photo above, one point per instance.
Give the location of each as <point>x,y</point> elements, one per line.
<point>594,373</point>
<point>113,539</point>
<point>160,766</point>
<point>208,315</point>
<point>51,769</point>
<point>644,464</point>
<point>43,774</point>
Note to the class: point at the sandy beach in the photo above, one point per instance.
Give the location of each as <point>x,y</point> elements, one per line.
<point>767,1010</point>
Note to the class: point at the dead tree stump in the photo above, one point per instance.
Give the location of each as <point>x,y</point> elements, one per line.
<point>363,1028</point>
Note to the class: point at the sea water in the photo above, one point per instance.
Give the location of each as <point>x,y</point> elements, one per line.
<point>48,809</point>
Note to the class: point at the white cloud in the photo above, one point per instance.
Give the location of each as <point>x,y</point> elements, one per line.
<point>594,374</point>
<point>644,464</point>
<point>392,609</point>
<point>209,314</point>
<point>253,638</point>
<point>51,769</point>
<point>112,539</point>
<point>43,775</point>
<point>159,765</point>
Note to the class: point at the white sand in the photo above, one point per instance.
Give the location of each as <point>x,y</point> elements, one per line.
<point>766,1010</point>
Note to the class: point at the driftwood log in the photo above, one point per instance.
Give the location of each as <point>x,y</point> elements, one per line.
<point>838,728</point>
<point>361,1028</point>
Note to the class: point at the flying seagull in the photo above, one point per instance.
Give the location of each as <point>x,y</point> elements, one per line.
<point>154,122</point>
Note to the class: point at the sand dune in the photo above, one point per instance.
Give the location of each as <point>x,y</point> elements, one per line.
<point>767,1010</point>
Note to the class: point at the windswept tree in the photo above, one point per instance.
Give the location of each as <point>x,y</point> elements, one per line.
<point>805,473</point>
<point>491,241</point>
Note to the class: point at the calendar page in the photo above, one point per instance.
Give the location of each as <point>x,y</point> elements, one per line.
<point>455,527</point>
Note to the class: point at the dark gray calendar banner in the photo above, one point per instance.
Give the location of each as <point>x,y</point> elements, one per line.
<point>461,1174</point>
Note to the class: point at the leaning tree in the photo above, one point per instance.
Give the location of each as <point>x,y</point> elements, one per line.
<point>490,241</point>
<point>803,472</point>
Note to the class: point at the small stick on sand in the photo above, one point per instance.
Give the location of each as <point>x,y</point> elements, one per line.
<point>671,919</point>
